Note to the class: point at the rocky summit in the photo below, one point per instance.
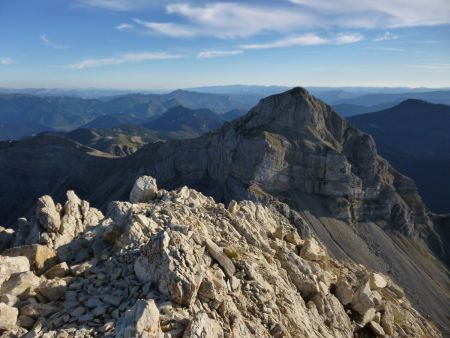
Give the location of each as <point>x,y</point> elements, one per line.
<point>178,264</point>
<point>291,150</point>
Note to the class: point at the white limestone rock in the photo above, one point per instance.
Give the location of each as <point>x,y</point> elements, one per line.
<point>141,321</point>
<point>144,190</point>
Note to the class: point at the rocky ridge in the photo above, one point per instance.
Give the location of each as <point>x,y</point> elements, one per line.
<point>178,264</point>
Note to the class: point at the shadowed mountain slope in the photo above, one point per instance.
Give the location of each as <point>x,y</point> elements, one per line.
<point>415,137</point>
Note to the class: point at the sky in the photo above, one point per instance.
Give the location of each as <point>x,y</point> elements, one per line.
<point>162,44</point>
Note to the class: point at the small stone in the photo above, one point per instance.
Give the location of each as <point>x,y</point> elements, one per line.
<point>142,320</point>
<point>58,270</point>
<point>233,207</point>
<point>77,312</point>
<point>94,302</point>
<point>376,328</point>
<point>293,237</point>
<point>8,316</point>
<point>41,258</point>
<point>86,317</point>
<point>53,289</point>
<point>368,316</point>
<point>344,292</point>
<point>217,253</point>
<point>25,321</point>
<point>112,299</point>
<point>377,281</point>
<point>362,299</point>
<point>99,311</point>
<point>312,250</point>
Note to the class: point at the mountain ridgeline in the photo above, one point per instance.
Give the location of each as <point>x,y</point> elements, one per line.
<point>28,114</point>
<point>291,147</point>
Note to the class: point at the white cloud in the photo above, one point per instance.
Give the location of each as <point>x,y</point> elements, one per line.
<point>124,27</point>
<point>6,61</point>
<point>303,40</point>
<point>208,54</point>
<point>169,29</point>
<point>229,20</point>
<point>380,13</point>
<point>119,5</point>
<point>124,58</point>
<point>307,40</point>
<point>51,44</point>
<point>344,39</point>
<point>385,37</point>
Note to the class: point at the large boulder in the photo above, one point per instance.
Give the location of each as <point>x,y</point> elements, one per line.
<point>47,214</point>
<point>144,190</point>
<point>41,258</point>
<point>141,321</point>
<point>11,265</point>
<point>170,262</point>
<point>20,284</point>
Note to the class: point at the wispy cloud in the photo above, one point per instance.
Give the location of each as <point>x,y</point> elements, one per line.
<point>124,58</point>
<point>169,29</point>
<point>303,40</point>
<point>51,44</point>
<point>344,39</point>
<point>380,13</point>
<point>385,37</point>
<point>124,27</point>
<point>208,54</point>
<point>307,40</point>
<point>228,20</point>
<point>119,5</point>
<point>6,61</point>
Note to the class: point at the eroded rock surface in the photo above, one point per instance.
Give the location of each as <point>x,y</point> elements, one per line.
<point>182,265</point>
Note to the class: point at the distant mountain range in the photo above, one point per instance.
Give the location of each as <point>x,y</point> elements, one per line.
<point>415,137</point>
<point>30,114</point>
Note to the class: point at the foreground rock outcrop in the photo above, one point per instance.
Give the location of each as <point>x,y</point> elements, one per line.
<point>181,265</point>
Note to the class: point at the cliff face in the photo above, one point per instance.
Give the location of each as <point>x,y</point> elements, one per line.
<point>177,264</point>
<point>294,148</point>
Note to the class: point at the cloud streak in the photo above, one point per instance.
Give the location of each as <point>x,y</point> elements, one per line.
<point>307,40</point>
<point>119,5</point>
<point>209,54</point>
<point>50,43</point>
<point>124,59</point>
<point>169,29</point>
<point>124,27</point>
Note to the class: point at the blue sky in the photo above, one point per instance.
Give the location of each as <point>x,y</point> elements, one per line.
<point>158,44</point>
